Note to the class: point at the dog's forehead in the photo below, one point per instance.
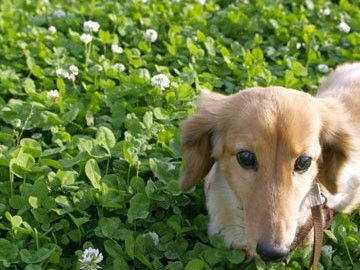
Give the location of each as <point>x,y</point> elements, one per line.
<point>271,114</point>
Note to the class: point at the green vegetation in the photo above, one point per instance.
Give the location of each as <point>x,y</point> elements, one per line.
<point>89,147</point>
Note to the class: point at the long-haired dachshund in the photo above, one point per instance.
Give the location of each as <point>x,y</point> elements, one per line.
<point>261,150</point>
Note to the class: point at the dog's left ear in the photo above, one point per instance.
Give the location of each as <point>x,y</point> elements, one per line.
<point>336,140</point>
<point>198,136</point>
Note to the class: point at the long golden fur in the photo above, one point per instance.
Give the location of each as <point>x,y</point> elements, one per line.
<point>260,151</point>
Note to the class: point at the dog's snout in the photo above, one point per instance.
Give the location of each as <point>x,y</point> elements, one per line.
<point>271,252</point>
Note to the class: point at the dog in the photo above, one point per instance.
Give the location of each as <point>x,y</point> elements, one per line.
<point>260,152</point>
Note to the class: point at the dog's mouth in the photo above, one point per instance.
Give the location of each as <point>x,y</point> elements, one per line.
<point>275,253</point>
<point>302,237</point>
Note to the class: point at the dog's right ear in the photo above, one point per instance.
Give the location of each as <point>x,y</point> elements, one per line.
<point>197,136</point>
<point>337,143</point>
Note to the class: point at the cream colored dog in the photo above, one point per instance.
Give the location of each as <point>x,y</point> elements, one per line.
<point>261,151</point>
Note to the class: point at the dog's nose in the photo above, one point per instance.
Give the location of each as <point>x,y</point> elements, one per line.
<point>270,252</point>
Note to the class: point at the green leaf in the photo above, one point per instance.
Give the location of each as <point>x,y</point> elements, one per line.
<point>33,267</point>
<point>196,264</point>
<point>170,48</point>
<point>79,221</point>
<point>37,71</point>
<point>161,114</point>
<point>50,162</point>
<point>213,256</point>
<point>8,251</point>
<point>109,226</point>
<point>34,202</point>
<point>235,256</point>
<point>92,171</point>
<point>143,260</point>
<point>299,69</point>
<point>139,207</point>
<point>148,120</point>
<point>210,46</point>
<point>342,231</point>
<point>290,80</point>
<point>74,235</point>
<point>35,256</point>
<point>338,261</point>
<point>18,202</point>
<point>113,249</point>
<point>64,202</point>
<point>72,161</point>
<point>105,137</point>
<point>39,190</point>
<point>60,84</point>
<point>130,246</point>
<point>29,86</point>
<point>105,36</point>
<point>130,153</point>
<point>260,264</point>
<point>143,46</point>
<point>120,263</point>
<point>21,165</point>
<point>308,31</point>
<point>31,146</point>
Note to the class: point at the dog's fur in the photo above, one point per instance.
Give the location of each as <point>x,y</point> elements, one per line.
<point>268,205</point>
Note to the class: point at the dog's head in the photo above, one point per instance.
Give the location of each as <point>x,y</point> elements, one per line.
<point>270,144</point>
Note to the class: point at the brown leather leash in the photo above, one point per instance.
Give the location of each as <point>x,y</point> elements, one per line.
<point>318,205</point>
<point>318,234</point>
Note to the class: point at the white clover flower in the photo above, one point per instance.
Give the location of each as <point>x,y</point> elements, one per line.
<point>326,11</point>
<point>323,68</point>
<point>154,236</point>
<point>119,67</point>
<point>174,84</point>
<point>171,167</point>
<point>74,69</point>
<point>86,38</point>
<point>116,49</point>
<point>71,74</point>
<point>52,30</point>
<point>59,13</point>
<point>201,2</point>
<point>36,136</point>
<point>344,27</point>
<point>102,58</point>
<point>98,67</point>
<point>204,91</point>
<point>161,81</point>
<point>90,258</point>
<point>151,35</point>
<point>328,250</point>
<point>62,73</point>
<point>91,26</point>
<point>16,123</point>
<point>52,95</point>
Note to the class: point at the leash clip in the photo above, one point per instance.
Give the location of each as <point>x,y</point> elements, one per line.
<point>317,198</point>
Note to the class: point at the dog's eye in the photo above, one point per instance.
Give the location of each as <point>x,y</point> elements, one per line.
<point>302,164</point>
<point>247,160</point>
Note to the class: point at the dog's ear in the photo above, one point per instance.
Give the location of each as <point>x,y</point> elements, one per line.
<point>336,140</point>
<point>197,137</point>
